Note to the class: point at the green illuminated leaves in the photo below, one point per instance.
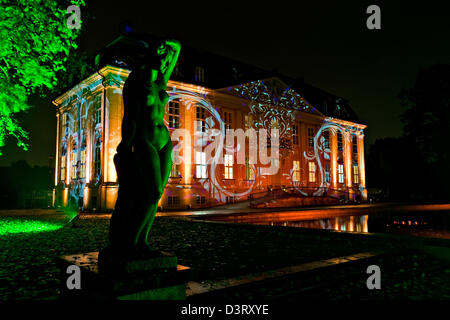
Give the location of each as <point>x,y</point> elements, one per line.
<point>34,43</point>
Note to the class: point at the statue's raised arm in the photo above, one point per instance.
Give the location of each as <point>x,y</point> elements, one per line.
<point>172,48</point>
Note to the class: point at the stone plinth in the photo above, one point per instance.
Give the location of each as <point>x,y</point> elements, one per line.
<point>158,277</point>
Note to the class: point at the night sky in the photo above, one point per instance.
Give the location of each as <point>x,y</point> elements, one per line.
<point>327,44</point>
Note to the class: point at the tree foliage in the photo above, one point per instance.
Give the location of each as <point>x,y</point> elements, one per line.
<point>417,164</point>
<point>35,44</point>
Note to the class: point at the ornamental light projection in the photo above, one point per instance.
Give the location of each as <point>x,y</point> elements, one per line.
<point>77,136</point>
<point>263,98</point>
<point>212,183</point>
<point>266,105</point>
<point>74,141</point>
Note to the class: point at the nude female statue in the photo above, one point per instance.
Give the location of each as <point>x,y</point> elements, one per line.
<point>143,159</point>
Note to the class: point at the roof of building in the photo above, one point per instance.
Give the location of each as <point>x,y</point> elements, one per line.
<point>220,72</point>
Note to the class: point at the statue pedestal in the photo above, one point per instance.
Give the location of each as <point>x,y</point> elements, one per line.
<point>158,277</point>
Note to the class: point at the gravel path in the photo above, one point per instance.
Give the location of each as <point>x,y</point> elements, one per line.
<point>213,250</point>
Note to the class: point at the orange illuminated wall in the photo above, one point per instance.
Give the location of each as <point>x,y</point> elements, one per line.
<point>93,113</point>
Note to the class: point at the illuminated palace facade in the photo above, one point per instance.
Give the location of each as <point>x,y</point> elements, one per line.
<point>320,156</point>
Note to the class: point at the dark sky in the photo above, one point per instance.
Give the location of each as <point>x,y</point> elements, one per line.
<point>326,43</point>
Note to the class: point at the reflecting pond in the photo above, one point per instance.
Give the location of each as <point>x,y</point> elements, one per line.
<point>428,223</point>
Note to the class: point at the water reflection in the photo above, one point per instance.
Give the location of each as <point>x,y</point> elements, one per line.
<point>432,223</point>
<point>346,223</point>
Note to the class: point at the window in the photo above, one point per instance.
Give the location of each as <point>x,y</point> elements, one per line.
<point>228,166</point>
<point>355,174</point>
<point>175,172</point>
<point>174,114</point>
<point>312,171</point>
<point>228,120</point>
<point>74,165</point>
<point>354,144</point>
<point>98,110</point>
<point>340,173</point>
<point>248,119</point>
<point>173,200</point>
<point>276,134</point>
<point>83,116</point>
<point>83,164</point>
<point>199,74</point>
<point>75,121</point>
<point>327,173</point>
<point>249,171</point>
<point>200,123</point>
<point>295,134</point>
<point>201,200</point>
<point>326,139</point>
<point>339,141</point>
<point>296,173</point>
<point>310,137</point>
<point>63,167</point>
<point>64,126</point>
<point>200,160</point>
<point>229,199</point>
<point>97,158</point>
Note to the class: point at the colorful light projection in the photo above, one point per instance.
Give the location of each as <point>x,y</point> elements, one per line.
<point>215,126</point>
<point>265,117</point>
<point>272,92</point>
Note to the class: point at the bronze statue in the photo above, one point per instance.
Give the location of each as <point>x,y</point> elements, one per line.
<point>143,159</point>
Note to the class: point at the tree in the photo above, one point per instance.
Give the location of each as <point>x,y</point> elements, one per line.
<point>35,43</point>
<point>427,123</point>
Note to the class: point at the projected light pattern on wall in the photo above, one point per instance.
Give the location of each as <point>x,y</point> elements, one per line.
<point>266,116</point>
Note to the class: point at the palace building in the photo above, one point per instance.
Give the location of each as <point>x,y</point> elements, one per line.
<point>320,139</point>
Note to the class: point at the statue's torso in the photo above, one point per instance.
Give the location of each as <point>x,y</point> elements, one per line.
<point>153,127</point>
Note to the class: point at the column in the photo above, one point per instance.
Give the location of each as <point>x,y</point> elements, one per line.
<point>361,165</point>
<point>347,137</point>
<point>56,159</point>
<point>333,158</point>
<point>113,81</point>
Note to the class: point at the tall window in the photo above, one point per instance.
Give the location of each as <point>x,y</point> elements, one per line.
<point>174,114</point>
<point>327,173</point>
<point>248,122</point>
<point>200,122</point>
<point>200,168</point>
<point>83,164</point>
<point>83,116</point>
<point>249,172</point>
<point>355,174</point>
<point>339,141</point>
<point>228,166</point>
<point>340,173</point>
<point>64,126</point>
<point>273,125</point>
<point>296,173</point>
<point>312,171</point>
<point>295,134</point>
<point>175,172</point>
<point>63,167</point>
<point>310,137</point>
<point>97,158</point>
<point>326,139</point>
<point>74,164</point>
<point>354,144</point>
<point>199,74</point>
<point>228,120</point>
<point>98,109</point>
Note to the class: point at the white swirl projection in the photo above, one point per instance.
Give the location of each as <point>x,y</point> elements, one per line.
<point>261,116</point>
<point>320,152</point>
<point>211,183</point>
